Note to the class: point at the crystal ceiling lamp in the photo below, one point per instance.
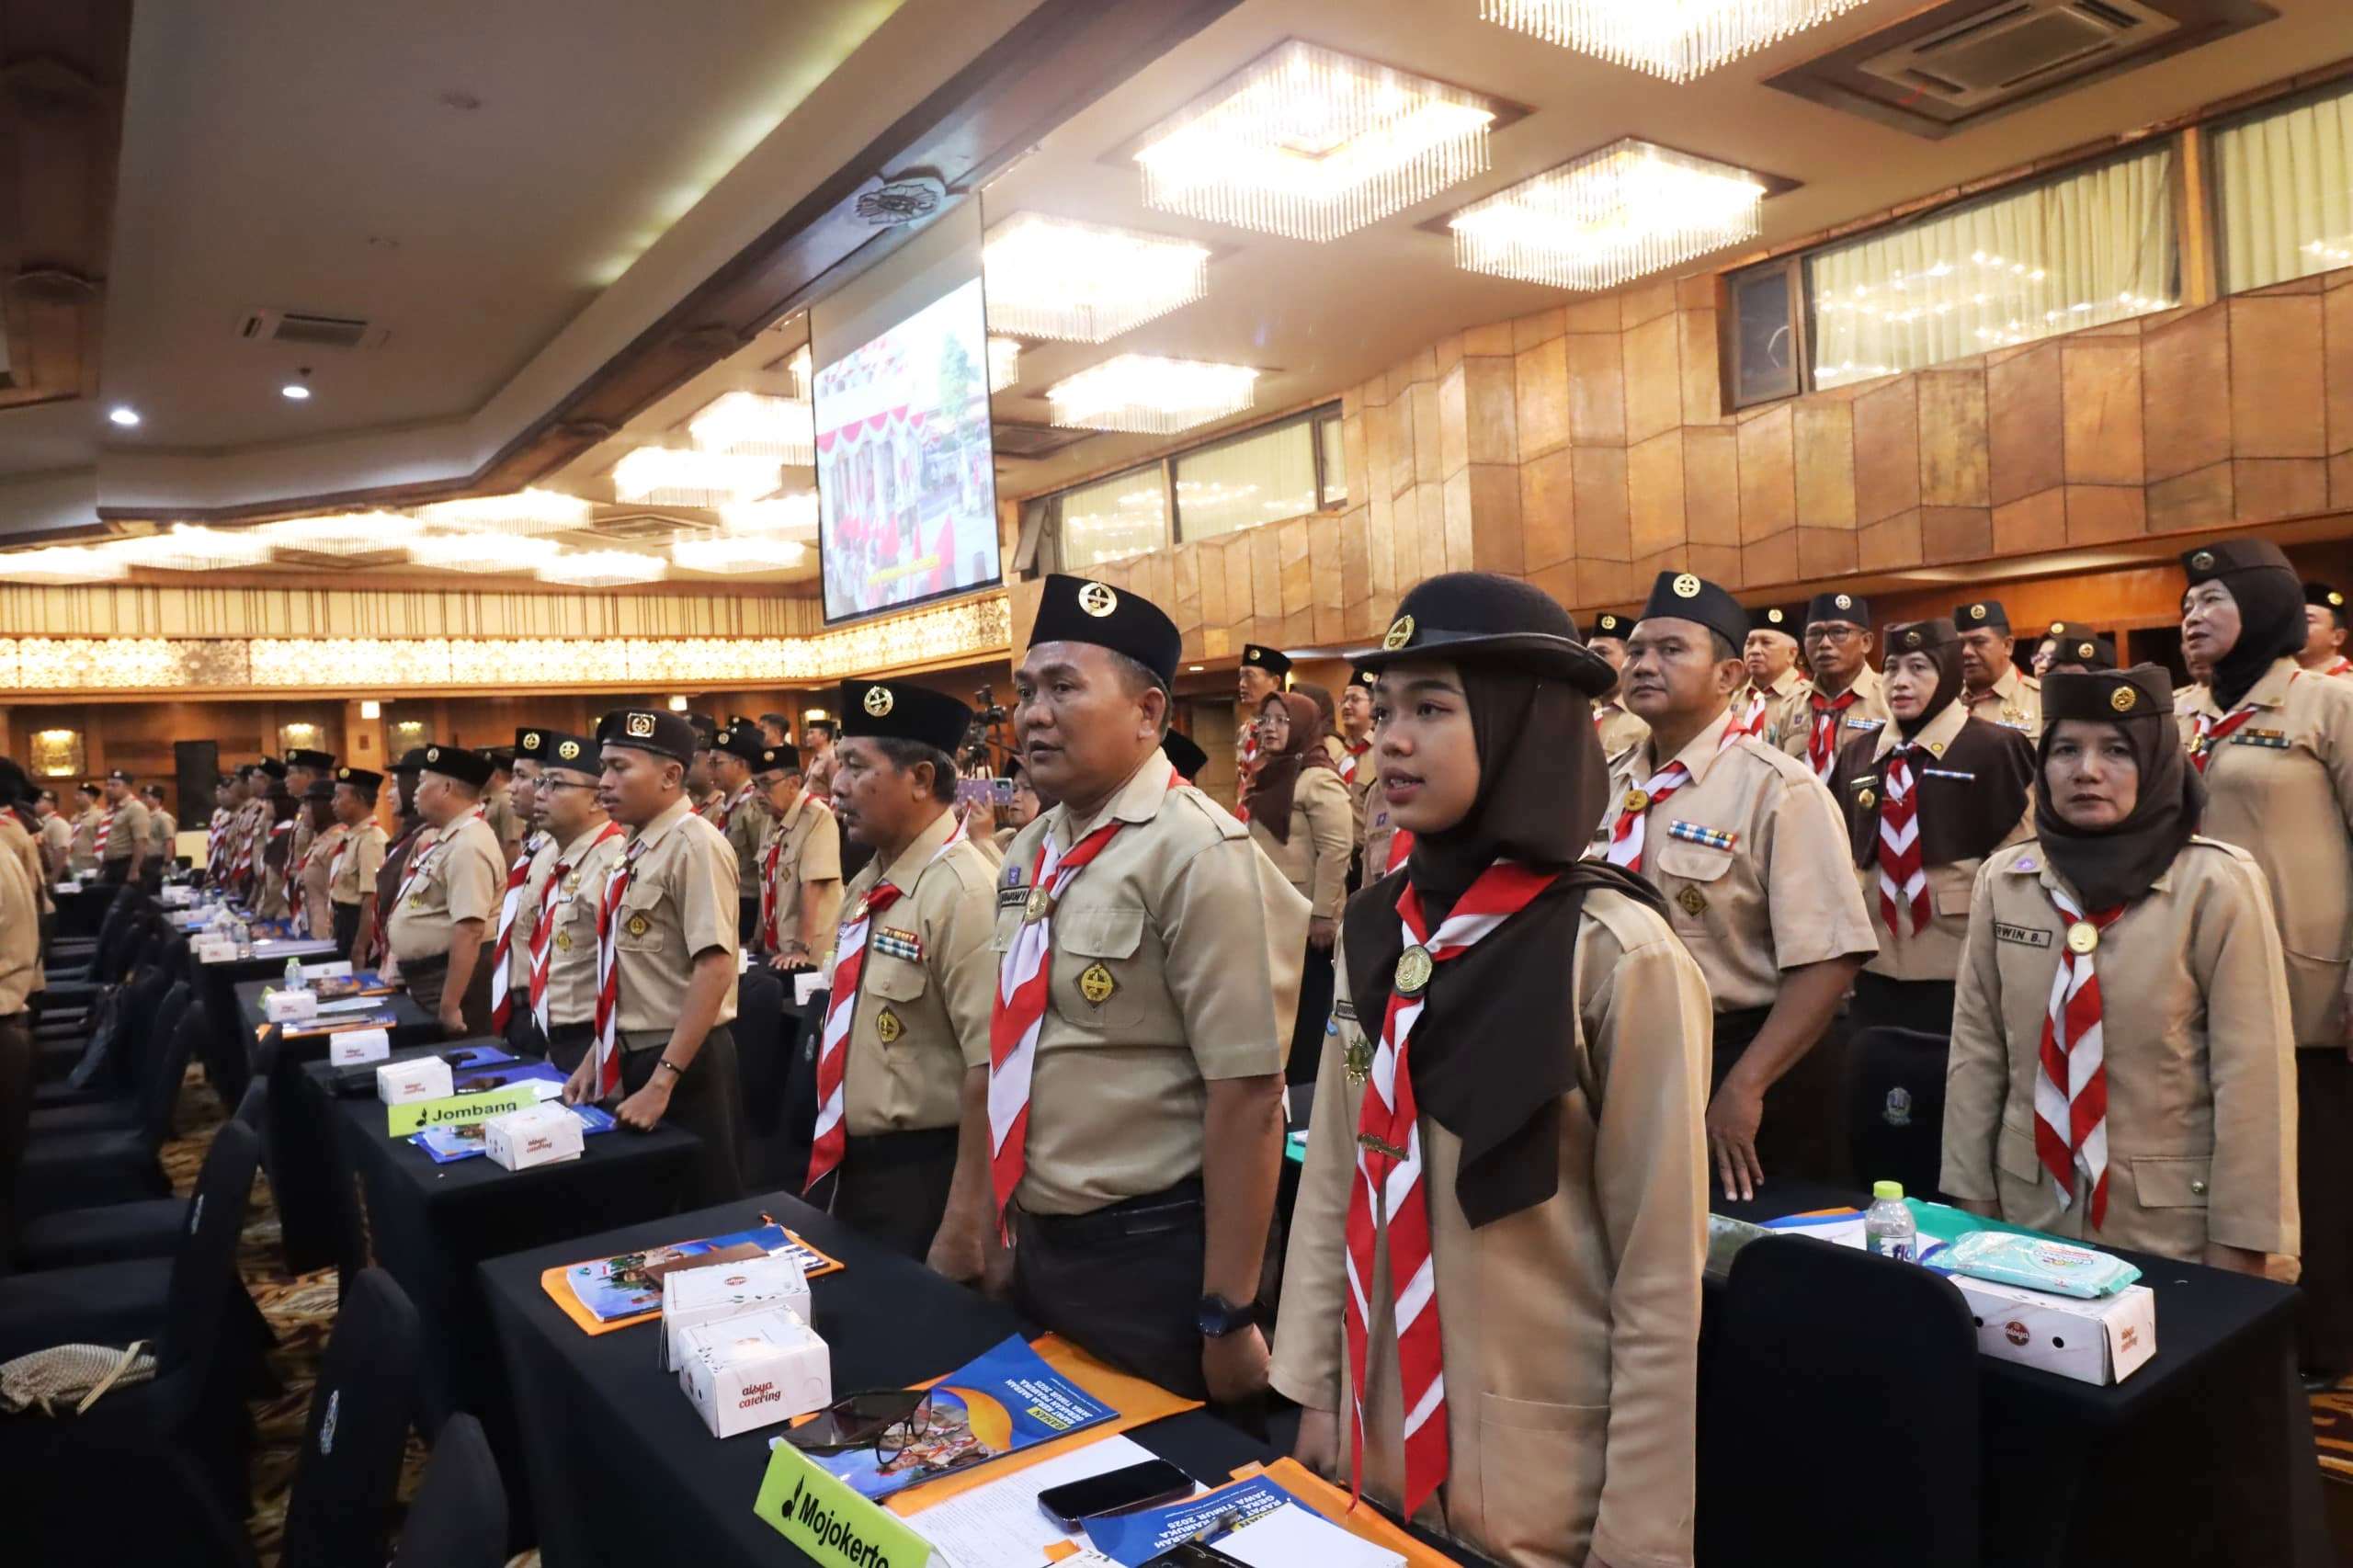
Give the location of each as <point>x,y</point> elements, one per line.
<point>1310,143</point>
<point>738,552</point>
<point>1674,38</point>
<point>603,568</point>
<point>184,548</point>
<point>343,534</point>
<point>1005,362</point>
<point>783,517</point>
<point>749,424</point>
<point>487,552</point>
<point>524,512</point>
<point>1151,396</point>
<point>662,476</point>
<point>800,371</point>
<point>1594,222</point>
<point>1084,283</point>
<point>62,565</point>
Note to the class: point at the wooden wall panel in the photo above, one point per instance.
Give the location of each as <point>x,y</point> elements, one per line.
<point>1547,510</point>
<point>1654,491</point>
<point>1768,477</point>
<point>2031,522</point>
<point>2100,384</point>
<point>1604,530</point>
<point>1711,485</point>
<point>1540,383</point>
<point>2025,435</point>
<point>1952,439</point>
<point>1596,388</point>
<point>2186,394</point>
<point>1825,435</point>
<point>2198,500</point>
<point>2337,333</point>
<point>2103,513</point>
<point>1653,368</point>
<point>2277,403</point>
<point>1887,451</point>
<point>1491,397</point>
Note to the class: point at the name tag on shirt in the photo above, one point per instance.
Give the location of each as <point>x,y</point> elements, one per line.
<point>1945,772</point>
<point>1011,895</point>
<point>2025,936</point>
<point>1866,723</point>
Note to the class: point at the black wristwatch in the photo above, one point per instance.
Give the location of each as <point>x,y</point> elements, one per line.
<point>1218,1317</point>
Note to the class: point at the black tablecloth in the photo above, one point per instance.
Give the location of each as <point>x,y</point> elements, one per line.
<point>2204,1455</point>
<point>228,1044</point>
<point>623,1467</point>
<point>297,1142</point>
<point>79,912</point>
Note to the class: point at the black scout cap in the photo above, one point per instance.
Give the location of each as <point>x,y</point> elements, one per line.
<point>1186,758</point>
<point>899,711</point>
<point>577,754</point>
<point>1610,623</point>
<point>1682,596</point>
<point>663,734</point>
<point>120,776</point>
<point>1274,661</point>
<point>1921,636</point>
<point>1362,678</point>
<point>2073,643</point>
<point>1478,616</point>
<point>500,756</point>
<point>1853,608</point>
<point>316,761</point>
<point>1982,614</point>
<point>706,729</point>
<point>2229,557</point>
<point>2328,598</point>
<point>412,761</point>
<point>530,743</point>
<point>456,762</point>
<point>742,741</point>
<point>2144,691</point>
<point>783,758</point>
<point>360,779</point>
<point>1787,620</point>
<point>1079,609</point>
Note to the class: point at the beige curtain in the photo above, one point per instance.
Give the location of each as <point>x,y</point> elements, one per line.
<point>1112,519</point>
<point>2090,247</point>
<point>1263,479</point>
<point>2285,189</point>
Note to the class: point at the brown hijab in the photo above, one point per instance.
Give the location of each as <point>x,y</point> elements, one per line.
<point>2116,865</point>
<point>1277,780</point>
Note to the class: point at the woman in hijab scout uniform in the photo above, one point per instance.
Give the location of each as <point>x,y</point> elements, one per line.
<point>1926,799</point>
<point>1520,1052</point>
<point>2146,1099</point>
<point>1303,820</point>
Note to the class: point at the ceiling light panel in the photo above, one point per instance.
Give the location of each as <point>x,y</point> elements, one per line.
<point>184,548</point>
<point>1629,208</point>
<point>662,476</point>
<point>1004,363</point>
<point>343,534</point>
<point>524,512</point>
<point>1084,282</point>
<point>739,552</point>
<point>783,517</point>
<point>1312,144</point>
<point>603,568</point>
<point>59,565</point>
<point>1148,395</point>
<point>485,553</point>
<point>748,423</point>
<point>1674,38</point>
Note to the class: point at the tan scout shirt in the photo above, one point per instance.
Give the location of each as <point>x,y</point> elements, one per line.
<point>1618,731</point>
<point>20,939</point>
<point>2281,788</point>
<point>1772,896</point>
<point>17,837</point>
<point>316,873</point>
<point>163,833</point>
<point>572,941</point>
<point>1867,715</point>
<point>1784,698</point>
<point>57,843</point>
<point>1570,1331</point>
<point>922,1015</point>
<point>354,874</point>
<point>2014,702</point>
<point>542,849</point>
<point>462,878</point>
<point>1933,953</point>
<point>680,905</point>
<point>808,871</point>
<point>745,827</point>
<point>83,854</point>
<point>1199,940</point>
<point>129,831</point>
<point>1315,861</point>
<point>498,810</point>
<point>2201,1086</point>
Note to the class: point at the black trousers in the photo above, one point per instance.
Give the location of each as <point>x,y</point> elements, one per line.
<point>894,1186</point>
<point>748,920</point>
<point>347,927</point>
<point>114,873</point>
<point>1804,1130</point>
<point>1309,1019</point>
<point>523,1037</point>
<point>427,977</point>
<point>1121,1283</point>
<point>1882,1003</point>
<point>568,1045</point>
<point>706,1100</point>
<point>2325,1194</point>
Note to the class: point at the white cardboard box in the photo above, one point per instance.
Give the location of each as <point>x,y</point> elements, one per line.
<point>2102,1341</point>
<point>715,1292</point>
<point>215,950</point>
<point>756,1371</point>
<point>418,1078</point>
<point>356,1047</point>
<point>290,1006</point>
<point>537,1135</point>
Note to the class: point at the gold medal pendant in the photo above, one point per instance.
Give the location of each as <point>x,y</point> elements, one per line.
<point>2082,937</point>
<point>1039,905</point>
<point>638,925</point>
<point>887,1028</point>
<point>1097,984</point>
<point>1413,967</point>
<point>1637,802</point>
<point>1359,1060</point>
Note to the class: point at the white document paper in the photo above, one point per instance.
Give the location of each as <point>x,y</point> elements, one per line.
<point>1291,1536</point>
<point>1001,1526</point>
<point>353,1004</point>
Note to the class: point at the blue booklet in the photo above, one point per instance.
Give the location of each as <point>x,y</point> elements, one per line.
<point>1001,1402</point>
<point>1140,1535</point>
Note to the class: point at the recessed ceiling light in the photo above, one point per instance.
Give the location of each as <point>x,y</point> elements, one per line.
<point>295,392</point>
<point>677,705</point>
<point>122,413</point>
<point>1196,668</point>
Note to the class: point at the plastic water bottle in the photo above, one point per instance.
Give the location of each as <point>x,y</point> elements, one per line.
<point>294,975</point>
<point>244,940</point>
<point>1888,1230</point>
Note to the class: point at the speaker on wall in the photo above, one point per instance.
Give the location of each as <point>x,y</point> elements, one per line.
<point>196,769</point>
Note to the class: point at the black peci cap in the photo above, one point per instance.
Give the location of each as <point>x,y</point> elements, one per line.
<point>782,757</point>
<point>1079,609</point>
<point>120,776</point>
<point>1787,620</point>
<point>1838,605</point>
<point>1274,661</point>
<point>2328,598</point>
<point>1610,623</point>
<point>2230,557</point>
<point>1479,616</point>
<point>2144,691</point>
<point>1682,596</point>
<point>456,762</point>
<point>663,734</point>
<point>272,767</point>
<point>316,761</point>
<point>412,761</point>
<point>900,712</point>
<point>530,743</point>
<point>1981,613</point>
<point>1186,758</point>
<point>1921,636</point>
<point>573,754</point>
<point>743,740</point>
<point>2073,643</point>
<point>1362,678</point>
<point>360,779</point>
<point>706,729</point>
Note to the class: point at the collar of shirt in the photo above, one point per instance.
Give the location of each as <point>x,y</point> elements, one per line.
<point>1787,683</point>
<point>918,854</point>
<point>1137,801</point>
<point>2268,692</point>
<point>802,801</point>
<point>1935,735</point>
<point>1865,686</point>
<point>653,832</point>
<point>2006,686</point>
<point>2033,863</point>
<point>577,851</point>
<point>1696,757</point>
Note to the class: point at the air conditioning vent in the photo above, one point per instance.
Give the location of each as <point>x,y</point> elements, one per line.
<point>652,527</point>
<point>306,329</point>
<point>1965,60</point>
<point>1016,439</point>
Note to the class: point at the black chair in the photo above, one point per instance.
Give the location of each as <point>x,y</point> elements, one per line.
<point>152,1472</point>
<point>1825,1360</point>
<point>339,1510</point>
<point>82,1170</point>
<point>100,1065</point>
<point>1895,1123</point>
<point>112,1232</point>
<point>458,1519</point>
<point>140,1030</point>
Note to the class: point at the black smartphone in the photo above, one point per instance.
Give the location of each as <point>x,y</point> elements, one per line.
<point>1138,1485</point>
<point>1194,1554</point>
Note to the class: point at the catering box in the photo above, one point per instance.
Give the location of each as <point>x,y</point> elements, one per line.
<point>290,1006</point>
<point>536,1135</point>
<point>418,1078</point>
<point>756,1371</point>
<point>356,1047</point>
<point>2104,1340</point>
<point>714,1292</point>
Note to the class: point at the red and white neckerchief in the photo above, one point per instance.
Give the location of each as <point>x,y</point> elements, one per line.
<point>242,871</point>
<point>2213,732</point>
<point>1020,1007</point>
<point>1389,1170</point>
<point>502,952</point>
<point>728,805</point>
<point>1751,721</point>
<point>770,938</point>
<point>1902,883</point>
<point>553,897</point>
<point>1350,755</point>
<point>831,1137</point>
<point>296,893</point>
<point>221,818</point>
<point>1401,845</point>
<point>1633,813</point>
<point>106,831</point>
<point>609,970</point>
<point>1821,740</point>
<point>420,858</point>
<point>2343,667</point>
<point>2071,1089</point>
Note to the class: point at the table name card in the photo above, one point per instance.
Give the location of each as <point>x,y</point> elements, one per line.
<point>830,1522</point>
<point>458,1110</point>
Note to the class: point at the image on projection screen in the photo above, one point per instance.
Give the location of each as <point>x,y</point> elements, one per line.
<point>906,485</point>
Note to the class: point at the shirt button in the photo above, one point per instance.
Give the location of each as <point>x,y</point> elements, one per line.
<point>2198,1189</point>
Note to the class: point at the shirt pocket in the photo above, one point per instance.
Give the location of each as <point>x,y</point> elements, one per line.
<point>1094,980</point>
<point>1695,864</point>
<point>1540,1475</point>
<point>1950,887</point>
<point>894,979</point>
<point>2171,1182</point>
<point>640,923</point>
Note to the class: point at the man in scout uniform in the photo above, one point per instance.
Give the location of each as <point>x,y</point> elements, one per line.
<point>1844,701</point>
<point>351,871</point>
<point>249,834</point>
<point>163,828</point>
<point>582,845</point>
<point>701,788</point>
<point>667,952</point>
<point>228,795</point>
<point>440,930</point>
<point>1264,671</point>
<point>409,835</point>
<point>1359,772</point>
<point>1150,969</point>
<point>509,819</point>
<point>817,738</point>
<point>900,1146</point>
<point>56,836</point>
<point>305,768</point>
<point>20,982</point>
<point>799,866</point>
<point>307,873</point>
<point>123,840</point>
<point>734,756</point>
<point>1992,689</point>
<point>1619,730</point>
<point>527,865</point>
<point>2324,631</point>
<point>1770,653</point>
<point>1747,848</point>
